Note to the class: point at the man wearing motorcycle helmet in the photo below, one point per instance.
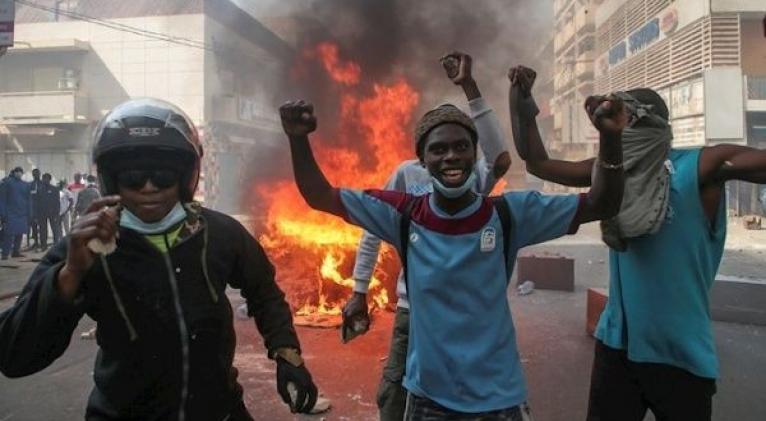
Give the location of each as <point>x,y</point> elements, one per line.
<point>151,267</point>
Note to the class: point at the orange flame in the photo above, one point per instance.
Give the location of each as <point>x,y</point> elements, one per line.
<point>313,251</point>
<point>346,73</point>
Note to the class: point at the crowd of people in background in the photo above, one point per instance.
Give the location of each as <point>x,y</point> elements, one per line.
<point>40,209</point>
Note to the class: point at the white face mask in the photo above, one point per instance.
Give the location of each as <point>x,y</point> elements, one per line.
<point>454,192</point>
<point>130,221</point>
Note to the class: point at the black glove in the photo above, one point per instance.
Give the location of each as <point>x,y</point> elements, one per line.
<point>306,396</point>
<point>356,318</point>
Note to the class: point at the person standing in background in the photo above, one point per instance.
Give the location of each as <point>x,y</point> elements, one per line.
<point>49,211</point>
<point>66,203</point>
<point>15,212</point>
<point>35,210</point>
<point>76,187</point>
<point>86,196</point>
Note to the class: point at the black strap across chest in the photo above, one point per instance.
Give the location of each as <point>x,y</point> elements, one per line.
<point>503,212</point>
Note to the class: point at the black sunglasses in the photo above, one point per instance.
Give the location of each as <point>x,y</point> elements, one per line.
<point>136,179</point>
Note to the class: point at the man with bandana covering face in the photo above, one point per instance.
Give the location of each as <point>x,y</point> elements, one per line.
<point>654,346</point>
<point>151,267</point>
<point>462,359</point>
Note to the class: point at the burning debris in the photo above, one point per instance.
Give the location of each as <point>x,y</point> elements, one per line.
<point>315,252</point>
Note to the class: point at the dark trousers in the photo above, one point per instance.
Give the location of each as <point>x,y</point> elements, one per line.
<point>65,221</point>
<point>623,390</point>
<point>53,221</point>
<point>12,244</point>
<point>35,233</point>
<point>422,409</point>
<point>240,413</point>
<point>392,397</point>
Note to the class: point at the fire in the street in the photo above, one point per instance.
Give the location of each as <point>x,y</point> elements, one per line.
<point>315,251</point>
<point>346,73</point>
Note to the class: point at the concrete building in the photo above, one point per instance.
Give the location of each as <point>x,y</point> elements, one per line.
<point>707,58</point>
<point>74,60</point>
<point>573,49</point>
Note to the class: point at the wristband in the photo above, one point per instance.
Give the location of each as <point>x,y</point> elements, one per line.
<point>607,166</point>
<point>289,355</point>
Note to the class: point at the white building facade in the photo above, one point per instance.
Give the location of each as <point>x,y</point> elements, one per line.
<point>71,64</point>
<point>707,58</point>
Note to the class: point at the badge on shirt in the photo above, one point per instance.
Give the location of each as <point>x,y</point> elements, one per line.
<point>488,236</point>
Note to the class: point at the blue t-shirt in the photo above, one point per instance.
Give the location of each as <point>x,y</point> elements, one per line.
<point>462,344</point>
<point>658,307</point>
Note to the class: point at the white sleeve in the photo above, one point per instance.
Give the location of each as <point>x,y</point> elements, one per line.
<point>369,244</point>
<point>491,142</point>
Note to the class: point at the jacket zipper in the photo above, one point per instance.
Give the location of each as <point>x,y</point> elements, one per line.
<point>184,331</point>
<point>184,337</point>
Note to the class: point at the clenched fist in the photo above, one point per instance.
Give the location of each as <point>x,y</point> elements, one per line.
<point>524,77</point>
<point>298,118</point>
<point>607,113</point>
<point>458,67</point>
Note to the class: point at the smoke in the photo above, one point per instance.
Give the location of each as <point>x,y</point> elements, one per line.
<point>389,38</point>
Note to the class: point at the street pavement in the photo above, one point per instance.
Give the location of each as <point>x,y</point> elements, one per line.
<point>556,353</point>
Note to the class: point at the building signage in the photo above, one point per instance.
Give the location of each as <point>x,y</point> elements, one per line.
<point>636,42</point>
<point>669,21</point>
<point>651,32</point>
<point>618,53</point>
<point>645,36</point>
<point>7,15</point>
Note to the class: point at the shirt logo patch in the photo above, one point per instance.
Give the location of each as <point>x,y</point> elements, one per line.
<point>488,236</point>
<point>414,237</point>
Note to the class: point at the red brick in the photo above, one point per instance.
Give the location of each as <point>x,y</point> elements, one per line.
<point>596,302</point>
<point>547,272</point>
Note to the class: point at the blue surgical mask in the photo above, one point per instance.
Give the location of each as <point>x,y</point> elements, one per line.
<point>130,221</point>
<point>454,192</point>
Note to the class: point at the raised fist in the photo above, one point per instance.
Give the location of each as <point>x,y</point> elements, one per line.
<point>524,77</point>
<point>607,113</point>
<point>298,118</point>
<point>458,67</point>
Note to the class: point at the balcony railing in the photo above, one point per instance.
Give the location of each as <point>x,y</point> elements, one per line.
<point>43,107</point>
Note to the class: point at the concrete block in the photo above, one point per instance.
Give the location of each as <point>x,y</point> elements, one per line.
<point>595,306</point>
<point>547,272</point>
<point>738,300</point>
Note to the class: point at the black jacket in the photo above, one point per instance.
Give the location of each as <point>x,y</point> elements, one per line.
<point>50,200</point>
<point>153,364</point>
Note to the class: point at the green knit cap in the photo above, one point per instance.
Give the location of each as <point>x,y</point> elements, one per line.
<point>443,114</point>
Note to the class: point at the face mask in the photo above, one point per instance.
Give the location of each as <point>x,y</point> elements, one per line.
<point>130,221</point>
<point>454,192</point>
